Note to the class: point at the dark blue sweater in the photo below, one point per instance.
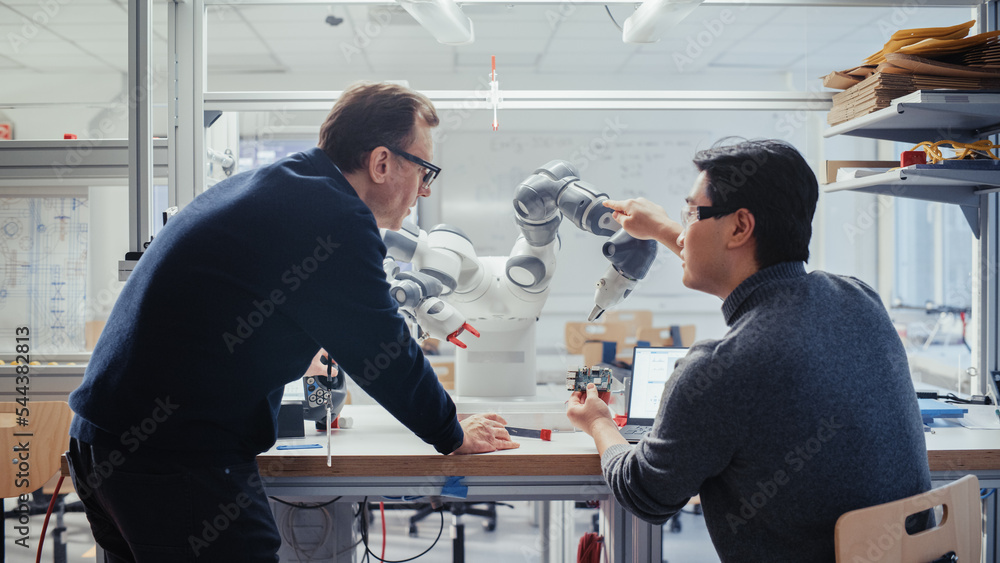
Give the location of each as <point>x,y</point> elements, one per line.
<point>803,411</point>
<point>232,300</point>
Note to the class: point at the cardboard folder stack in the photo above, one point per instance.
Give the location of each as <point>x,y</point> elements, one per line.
<point>916,59</point>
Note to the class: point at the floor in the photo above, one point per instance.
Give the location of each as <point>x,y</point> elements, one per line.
<point>516,539</point>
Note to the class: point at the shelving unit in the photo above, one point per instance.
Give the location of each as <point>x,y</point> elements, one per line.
<point>918,117</point>
<point>961,187</point>
<point>929,115</point>
<point>962,116</point>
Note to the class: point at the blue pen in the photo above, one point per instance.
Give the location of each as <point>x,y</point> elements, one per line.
<point>300,447</point>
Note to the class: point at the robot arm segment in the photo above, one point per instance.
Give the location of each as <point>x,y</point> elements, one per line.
<point>630,261</point>
<point>583,205</point>
<point>438,259</point>
<point>402,244</point>
<point>630,256</point>
<point>535,201</point>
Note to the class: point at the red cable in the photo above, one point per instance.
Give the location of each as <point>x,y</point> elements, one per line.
<point>45,523</point>
<point>381,508</point>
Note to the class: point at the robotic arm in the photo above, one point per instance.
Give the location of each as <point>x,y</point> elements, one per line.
<point>446,266</point>
<point>555,191</point>
<point>503,296</point>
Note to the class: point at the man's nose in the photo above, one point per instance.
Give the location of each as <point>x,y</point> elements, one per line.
<point>680,238</point>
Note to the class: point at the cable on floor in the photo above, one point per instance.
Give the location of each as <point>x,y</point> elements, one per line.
<point>363,514</point>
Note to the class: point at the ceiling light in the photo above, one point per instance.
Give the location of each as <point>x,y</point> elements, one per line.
<point>653,18</point>
<point>443,18</point>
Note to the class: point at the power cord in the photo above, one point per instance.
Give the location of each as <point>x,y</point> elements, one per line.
<point>288,525</point>
<point>304,505</point>
<point>363,513</point>
<point>953,398</point>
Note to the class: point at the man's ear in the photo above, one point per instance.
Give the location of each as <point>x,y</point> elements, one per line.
<point>378,164</point>
<point>742,230</point>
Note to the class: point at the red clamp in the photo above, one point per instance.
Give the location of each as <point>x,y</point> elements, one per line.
<point>453,337</point>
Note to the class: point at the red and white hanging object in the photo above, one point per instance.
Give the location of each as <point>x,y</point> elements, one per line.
<point>495,98</point>
<point>6,131</point>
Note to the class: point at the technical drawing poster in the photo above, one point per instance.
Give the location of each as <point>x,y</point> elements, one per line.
<point>43,277</point>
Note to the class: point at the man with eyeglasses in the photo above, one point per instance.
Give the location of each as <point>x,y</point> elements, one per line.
<point>229,303</point>
<point>803,411</point>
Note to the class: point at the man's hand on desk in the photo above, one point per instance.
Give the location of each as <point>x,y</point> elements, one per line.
<point>485,433</point>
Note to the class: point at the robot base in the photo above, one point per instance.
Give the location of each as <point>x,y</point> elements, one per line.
<point>500,364</point>
<point>497,374</point>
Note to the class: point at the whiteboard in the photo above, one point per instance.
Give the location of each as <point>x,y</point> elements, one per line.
<point>482,172</point>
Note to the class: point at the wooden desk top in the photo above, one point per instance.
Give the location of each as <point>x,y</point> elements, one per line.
<point>379,446</point>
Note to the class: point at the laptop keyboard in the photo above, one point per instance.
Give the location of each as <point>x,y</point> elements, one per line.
<point>636,431</point>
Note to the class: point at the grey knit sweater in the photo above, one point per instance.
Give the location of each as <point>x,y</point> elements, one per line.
<point>803,411</point>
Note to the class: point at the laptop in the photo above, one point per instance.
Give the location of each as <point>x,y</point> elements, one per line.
<point>651,368</point>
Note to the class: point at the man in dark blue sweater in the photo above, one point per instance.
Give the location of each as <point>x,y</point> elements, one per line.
<point>804,410</point>
<point>231,302</point>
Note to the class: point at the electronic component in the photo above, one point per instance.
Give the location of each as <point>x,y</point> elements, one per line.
<point>577,379</point>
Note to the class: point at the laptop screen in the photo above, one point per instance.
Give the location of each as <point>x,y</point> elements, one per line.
<point>651,367</point>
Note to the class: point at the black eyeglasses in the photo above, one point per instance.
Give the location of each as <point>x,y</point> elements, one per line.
<point>692,213</point>
<point>432,170</point>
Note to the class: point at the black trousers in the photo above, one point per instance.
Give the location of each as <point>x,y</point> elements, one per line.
<point>152,511</point>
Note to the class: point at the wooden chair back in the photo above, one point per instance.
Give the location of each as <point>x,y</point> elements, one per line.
<point>35,435</point>
<point>878,531</point>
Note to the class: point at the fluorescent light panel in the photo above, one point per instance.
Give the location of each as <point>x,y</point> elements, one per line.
<point>654,18</point>
<point>442,18</point>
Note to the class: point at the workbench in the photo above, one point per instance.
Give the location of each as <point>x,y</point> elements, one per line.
<point>378,456</point>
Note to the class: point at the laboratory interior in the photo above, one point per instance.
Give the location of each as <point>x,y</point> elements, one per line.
<point>117,115</point>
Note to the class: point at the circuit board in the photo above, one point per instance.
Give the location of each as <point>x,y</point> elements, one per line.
<point>577,379</point>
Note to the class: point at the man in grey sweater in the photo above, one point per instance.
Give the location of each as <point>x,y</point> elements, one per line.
<point>804,410</point>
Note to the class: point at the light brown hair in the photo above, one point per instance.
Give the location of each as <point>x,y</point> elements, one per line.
<point>369,115</point>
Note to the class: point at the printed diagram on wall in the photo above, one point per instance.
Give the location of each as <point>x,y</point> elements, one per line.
<point>43,247</point>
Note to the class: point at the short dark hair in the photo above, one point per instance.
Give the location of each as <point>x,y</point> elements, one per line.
<point>369,115</point>
<point>770,179</point>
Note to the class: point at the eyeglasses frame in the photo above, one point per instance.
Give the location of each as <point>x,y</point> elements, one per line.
<point>704,212</point>
<point>432,169</point>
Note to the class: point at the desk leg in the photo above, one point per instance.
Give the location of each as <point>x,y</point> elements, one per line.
<point>557,530</point>
<point>992,547</point>
<point>544,523</point>
<point>629,538</point>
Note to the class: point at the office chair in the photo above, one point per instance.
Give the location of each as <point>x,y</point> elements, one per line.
<point>458,509</point>
<point>40,431</point>
<point>879,530</point>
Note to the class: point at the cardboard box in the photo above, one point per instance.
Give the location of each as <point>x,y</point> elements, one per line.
<point>833,165</point>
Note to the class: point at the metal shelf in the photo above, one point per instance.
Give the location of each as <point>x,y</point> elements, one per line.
<point>945,185</point>
<point>71,162</point>
<point>967,117</point>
